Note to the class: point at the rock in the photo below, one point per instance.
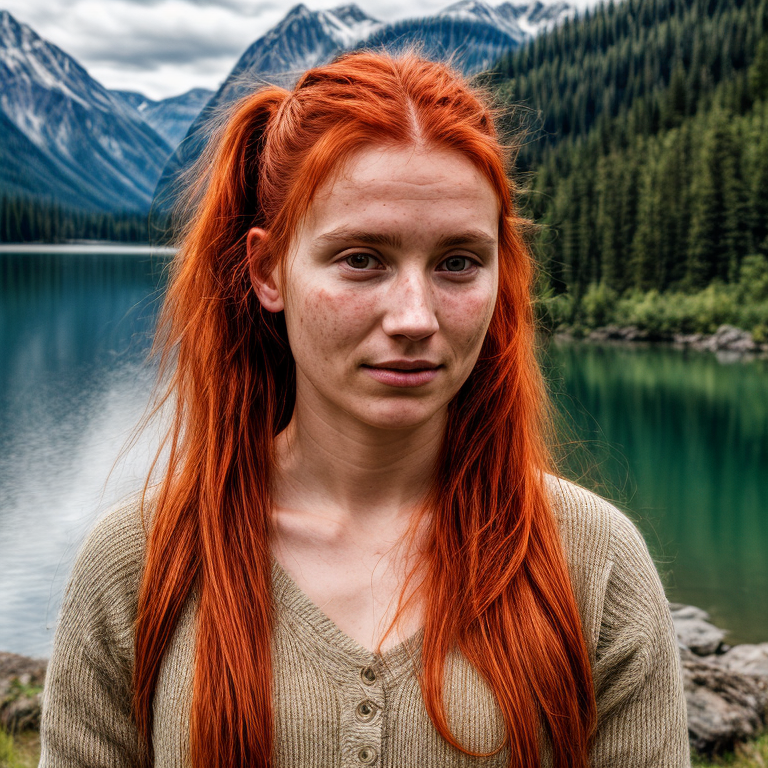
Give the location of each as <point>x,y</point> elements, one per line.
<point>724,707</point>
<point>747,659</point>
<point>690,339</point>
<point>618,333</point>
<point>694,631</point>
<point>681,611</point>
<point>21,683</point>
<point>728,338</point>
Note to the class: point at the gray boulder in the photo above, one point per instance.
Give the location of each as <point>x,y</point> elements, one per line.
<point>21,685</point>
<point>694,631</point>
<point>728,338</point>
<point>724,707</point>
<point>747,659</point>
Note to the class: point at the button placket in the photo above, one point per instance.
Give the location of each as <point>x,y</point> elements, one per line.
<point>363,717</point>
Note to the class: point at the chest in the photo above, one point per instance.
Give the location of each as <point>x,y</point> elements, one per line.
<point>358,588</point>
<point>336,703</point>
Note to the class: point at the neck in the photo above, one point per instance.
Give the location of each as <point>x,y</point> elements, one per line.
<point>337,466</point>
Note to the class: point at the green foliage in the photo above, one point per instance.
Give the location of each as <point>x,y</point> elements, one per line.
<point>753,279</point>
<point>758,71</point>
<point>662,315</point>
<point>598,304</point>
<point>21,751</point>
<point>7,756</point>
<point>555,310</point>
<point>751,755</point>
<point>650,174</point>
<point>18,690</point>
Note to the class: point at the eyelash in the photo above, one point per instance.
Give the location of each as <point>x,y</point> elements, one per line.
<point>470,263</point>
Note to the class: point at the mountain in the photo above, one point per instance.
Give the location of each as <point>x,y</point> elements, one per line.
<point>301,40</point>
<point>471,33</point>
<point>169,117</point>
<point>66,136</point>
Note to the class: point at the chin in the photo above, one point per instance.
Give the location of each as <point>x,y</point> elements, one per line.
<point>398,414</point>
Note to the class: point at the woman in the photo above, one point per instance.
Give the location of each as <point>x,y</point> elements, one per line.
<point>358,554</point>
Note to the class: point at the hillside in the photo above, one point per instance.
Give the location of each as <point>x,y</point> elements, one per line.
<point>648,163</point>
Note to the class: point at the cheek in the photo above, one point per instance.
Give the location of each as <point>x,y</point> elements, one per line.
<point>320,319</point>
<point>466,318</point>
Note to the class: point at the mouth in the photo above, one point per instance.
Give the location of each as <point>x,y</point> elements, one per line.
<point>405,365</point>
<point>403,373</point>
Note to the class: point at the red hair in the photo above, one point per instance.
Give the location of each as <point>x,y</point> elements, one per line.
<point>496,584</point>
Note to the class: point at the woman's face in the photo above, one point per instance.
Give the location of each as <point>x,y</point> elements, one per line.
<point>390,285</point>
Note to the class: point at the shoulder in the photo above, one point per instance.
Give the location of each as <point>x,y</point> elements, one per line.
<point>611,570</point>
<point>103,588</point>
<point>87,714</point>
<point>591,527</point>
<point>115,546</point>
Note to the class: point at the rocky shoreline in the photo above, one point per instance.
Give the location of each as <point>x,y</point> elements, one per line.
<point>728,342</point>
<point>726,687</point>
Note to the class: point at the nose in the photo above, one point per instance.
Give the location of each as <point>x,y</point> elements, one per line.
<point>410,308</point>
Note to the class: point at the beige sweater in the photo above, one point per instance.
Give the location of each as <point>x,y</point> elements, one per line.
<point>336,704</point>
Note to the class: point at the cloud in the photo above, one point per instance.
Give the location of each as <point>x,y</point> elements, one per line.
<point>154,46</point>
<point>164,47</point>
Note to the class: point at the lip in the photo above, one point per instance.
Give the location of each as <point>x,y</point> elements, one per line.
<point>403,373</point>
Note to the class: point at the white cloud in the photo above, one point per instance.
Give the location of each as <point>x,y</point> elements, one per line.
<point>164,47</point>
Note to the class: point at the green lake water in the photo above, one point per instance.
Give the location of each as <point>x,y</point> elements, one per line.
<point>678,440</point>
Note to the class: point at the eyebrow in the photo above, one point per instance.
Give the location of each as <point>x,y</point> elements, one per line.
<point>471,236</point>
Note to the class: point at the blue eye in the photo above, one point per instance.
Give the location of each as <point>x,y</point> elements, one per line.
<point>457,264</point>
<point>361,261</point>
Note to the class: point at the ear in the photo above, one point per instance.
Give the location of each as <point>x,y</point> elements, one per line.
<point>265,286</point>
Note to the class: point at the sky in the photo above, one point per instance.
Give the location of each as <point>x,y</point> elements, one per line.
<point>163,48</point>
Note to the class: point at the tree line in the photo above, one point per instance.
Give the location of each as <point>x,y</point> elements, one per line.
<point>27,220</point>
<point>649,171</point>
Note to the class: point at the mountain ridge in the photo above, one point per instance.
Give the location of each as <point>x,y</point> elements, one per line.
<point>471,34</point>
<point>95,146</point>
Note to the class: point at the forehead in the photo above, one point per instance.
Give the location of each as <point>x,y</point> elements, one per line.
<point>399,187</point>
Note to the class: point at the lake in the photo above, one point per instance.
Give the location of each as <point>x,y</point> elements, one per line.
<point>677,439</point>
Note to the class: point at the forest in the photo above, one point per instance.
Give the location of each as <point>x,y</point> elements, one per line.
<point>645,164</point>
<point>27,220</point>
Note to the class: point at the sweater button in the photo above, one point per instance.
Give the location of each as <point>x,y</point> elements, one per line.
<point>367,755</point>
<point>366,710</point>
<point>368,675</point>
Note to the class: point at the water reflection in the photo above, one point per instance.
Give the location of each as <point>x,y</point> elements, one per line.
<point>74,330</point>
<point>681,441</point>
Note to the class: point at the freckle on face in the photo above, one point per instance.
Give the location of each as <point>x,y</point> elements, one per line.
<point>336,325</point>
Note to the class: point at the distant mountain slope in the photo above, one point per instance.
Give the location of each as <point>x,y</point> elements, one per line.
<point>89,146</point>
<point>169,117</point>
<point>470,33</point>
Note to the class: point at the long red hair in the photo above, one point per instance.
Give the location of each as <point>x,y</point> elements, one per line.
<point>496,584</point>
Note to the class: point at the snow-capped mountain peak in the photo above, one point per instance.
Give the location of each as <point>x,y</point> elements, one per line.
<point>476,10</point>
<point>347,24</point>
<point>535,17</point>
<point>94,144</point>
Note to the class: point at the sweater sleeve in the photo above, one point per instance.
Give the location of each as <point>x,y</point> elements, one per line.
<point>641,705</point>
<point>87,716</point>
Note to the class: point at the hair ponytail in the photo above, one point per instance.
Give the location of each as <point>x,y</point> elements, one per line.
<point>209,535</point>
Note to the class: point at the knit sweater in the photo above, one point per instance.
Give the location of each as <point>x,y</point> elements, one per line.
<point>338,704</point>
